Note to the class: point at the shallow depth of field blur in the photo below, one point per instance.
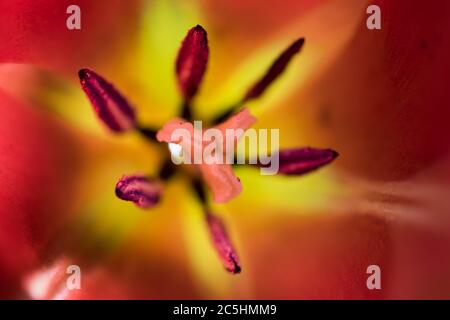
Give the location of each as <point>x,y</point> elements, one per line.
<point>378,97</point>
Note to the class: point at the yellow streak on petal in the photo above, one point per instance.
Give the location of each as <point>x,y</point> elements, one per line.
<point>164,26</point>
<point>327,29</point>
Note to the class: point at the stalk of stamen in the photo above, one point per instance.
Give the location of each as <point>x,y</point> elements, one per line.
<point>148,133</point>
<point>228,113</point>
<point>167,170</point>
<point>199,189</point>
<point>186,112</point>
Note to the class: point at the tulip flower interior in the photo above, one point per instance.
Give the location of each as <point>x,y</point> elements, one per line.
<point>224,150</point>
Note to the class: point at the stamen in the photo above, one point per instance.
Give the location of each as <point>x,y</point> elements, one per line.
<point>191,61</point>
<point>144,192</point>
<point>223,244</point>
<point>166,170</point>
<point>111,107</point>
<point>199,190</point>
<point>303,160</point>
<point>148,133</point>
<point>277,68</point>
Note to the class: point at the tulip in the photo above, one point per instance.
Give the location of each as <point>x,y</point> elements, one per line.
<point>376,96</point>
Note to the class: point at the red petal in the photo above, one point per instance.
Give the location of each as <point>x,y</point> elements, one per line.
<point>277,68</point>
<point>35,32</point>
<point>191,61</point>
<point>39,162</point>
<point>384,104</point>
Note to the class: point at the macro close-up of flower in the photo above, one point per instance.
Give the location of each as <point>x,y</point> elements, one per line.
<point>88,149</point>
